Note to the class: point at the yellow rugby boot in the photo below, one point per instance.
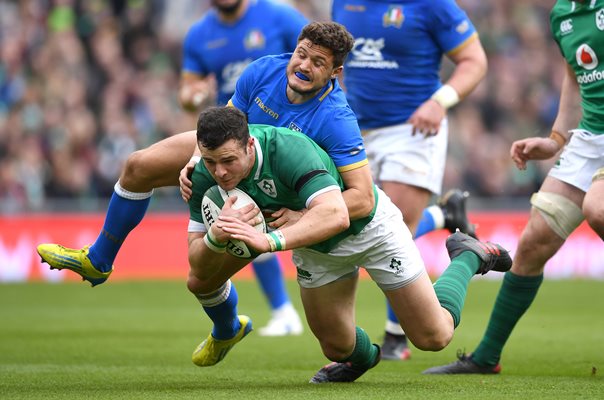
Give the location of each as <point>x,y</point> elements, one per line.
<point>211,351</point>
<point>76,260</point>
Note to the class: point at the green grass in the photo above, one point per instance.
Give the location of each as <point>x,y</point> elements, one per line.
<point>134,341</point>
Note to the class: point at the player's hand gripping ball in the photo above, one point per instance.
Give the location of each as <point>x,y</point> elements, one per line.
<point>211,205</point>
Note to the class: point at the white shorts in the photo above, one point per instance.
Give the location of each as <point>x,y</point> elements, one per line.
<point>385,248</point>
<point>396,155</point>
<point>580,159</point>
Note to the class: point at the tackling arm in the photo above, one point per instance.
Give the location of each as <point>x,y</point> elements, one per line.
<point>358,193</point>
<point>569,110</point>
<point>326,216</point>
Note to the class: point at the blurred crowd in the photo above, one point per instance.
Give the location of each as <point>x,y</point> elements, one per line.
<point>85,83</point>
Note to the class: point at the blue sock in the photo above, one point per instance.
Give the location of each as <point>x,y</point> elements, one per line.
<point>391,315</point>
<point>269,274</point>
<point>123,215</point>
<point>426,224</point>
<point>222,311</point>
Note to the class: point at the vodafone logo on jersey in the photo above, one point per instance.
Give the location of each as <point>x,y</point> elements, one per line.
<point>586,57</point>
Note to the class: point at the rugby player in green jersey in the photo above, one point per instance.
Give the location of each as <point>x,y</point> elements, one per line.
<point>573,190</point>
<point>328,247</point>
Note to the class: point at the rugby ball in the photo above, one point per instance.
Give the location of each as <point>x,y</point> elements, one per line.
<point>211,205</point>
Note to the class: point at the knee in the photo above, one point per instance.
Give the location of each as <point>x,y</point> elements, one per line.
<point>198,286</point>
<point>433,341</point>
<point>136,172</point>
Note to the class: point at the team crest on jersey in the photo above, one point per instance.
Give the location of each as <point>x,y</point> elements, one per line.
<point>254,40</point>
<point>463,27</point>
<point>600,19</point>
<point>294,127</point>
<point>586,57</point>
<point>566,26</point>
<point>393,17</point>
<point>268,187</point>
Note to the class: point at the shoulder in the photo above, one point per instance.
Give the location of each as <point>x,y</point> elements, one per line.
<point>199,28</point>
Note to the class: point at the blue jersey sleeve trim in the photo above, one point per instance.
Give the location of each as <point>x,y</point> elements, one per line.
<point>356,165</point>
<point>463,44</point>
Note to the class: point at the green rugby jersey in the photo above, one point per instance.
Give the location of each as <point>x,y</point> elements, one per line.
<point>578,28</point>
<point>289,171</point>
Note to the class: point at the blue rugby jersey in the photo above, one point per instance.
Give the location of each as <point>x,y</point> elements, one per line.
<point>395,63</point>
<point>327,119</point>
<point>214,47</point>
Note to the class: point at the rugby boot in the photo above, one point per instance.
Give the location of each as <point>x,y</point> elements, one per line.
<point>492,256</point>
<point>283,322</point>
<point>211,351</point>
<point>76,260</point>
<point>463,365</point>
<point>342,372</point>
<point>453,206</point>
<point>395,347</point>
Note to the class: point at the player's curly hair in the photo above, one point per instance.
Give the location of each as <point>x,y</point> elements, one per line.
<point>331,35</point>
<point>218,125</point>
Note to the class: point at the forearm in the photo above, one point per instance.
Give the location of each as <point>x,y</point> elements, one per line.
<point>320,222</point>
<point>359,204</point>
<point>358,193</point>
<point>569,110</point>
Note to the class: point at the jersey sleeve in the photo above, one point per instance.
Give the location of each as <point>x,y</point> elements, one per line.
<point>192,57</point>
<point>245,86</point>
<point>342,139</point>
<point>301,167</point>
<point>451,25</point>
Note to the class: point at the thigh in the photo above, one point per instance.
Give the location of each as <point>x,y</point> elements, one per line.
<point>411,200</point>
<point>159,164</point>
<point>538,242</point>
<point>420,314</point>
<point>593,205</point>
<point>330,312</point>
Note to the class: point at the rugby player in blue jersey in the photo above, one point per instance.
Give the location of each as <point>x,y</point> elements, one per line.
<point>392,84</point>
<point>216,51</point>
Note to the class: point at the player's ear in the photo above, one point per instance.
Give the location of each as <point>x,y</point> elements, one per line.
<point>336,72</point>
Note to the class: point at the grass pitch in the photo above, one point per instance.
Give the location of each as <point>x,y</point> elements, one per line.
<point>134,341</point>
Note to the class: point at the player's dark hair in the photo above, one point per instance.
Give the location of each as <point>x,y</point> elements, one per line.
<point>217,125</point>
<point>330,35</point>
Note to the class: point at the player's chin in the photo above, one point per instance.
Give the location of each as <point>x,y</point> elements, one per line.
<point>299,85</point>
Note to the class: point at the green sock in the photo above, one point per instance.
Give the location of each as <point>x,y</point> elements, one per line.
<point>452,286</point>
<point>514,298</point>
<point>364,354</point>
